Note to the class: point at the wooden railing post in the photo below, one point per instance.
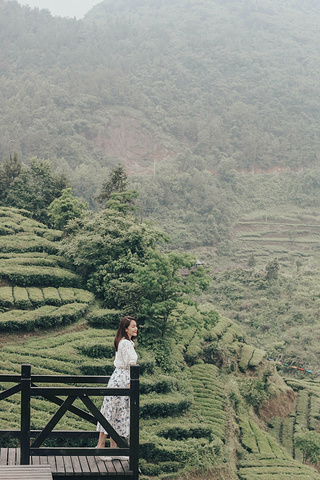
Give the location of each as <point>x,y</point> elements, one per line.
<point>25,414</point>
<point>134,420</point>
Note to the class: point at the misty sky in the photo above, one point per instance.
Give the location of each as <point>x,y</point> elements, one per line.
<point>63,8</point>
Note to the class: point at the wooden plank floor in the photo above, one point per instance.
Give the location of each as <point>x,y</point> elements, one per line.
<point>72,467</point>
<point>25,472</point>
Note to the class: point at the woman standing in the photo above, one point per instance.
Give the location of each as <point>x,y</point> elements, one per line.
<point>117,409</point>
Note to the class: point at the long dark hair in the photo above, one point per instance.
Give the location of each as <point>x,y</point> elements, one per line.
<point>121,332</point>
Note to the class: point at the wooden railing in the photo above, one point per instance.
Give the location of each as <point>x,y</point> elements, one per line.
<point>29,386</point>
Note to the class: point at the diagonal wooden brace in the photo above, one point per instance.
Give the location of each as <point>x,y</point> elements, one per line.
<point>53,422</point>
<point>10,391</point>
<point>77,411</point>
<point>105,424</point>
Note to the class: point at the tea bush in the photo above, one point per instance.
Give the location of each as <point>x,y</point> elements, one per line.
<point>21,298</point>
<point>51,296</point>
<point>43,317</point>
<point>24,275</point>
<point>104,318</point>
<point>26,243</point>
<point>6,297</point>
<point>163,405</point>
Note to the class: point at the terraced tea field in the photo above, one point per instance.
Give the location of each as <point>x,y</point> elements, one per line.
<point>289,236</point>
<point>37,289</point>
<point>52,322</point>
<point>273,456</point>
<point>305,417</point>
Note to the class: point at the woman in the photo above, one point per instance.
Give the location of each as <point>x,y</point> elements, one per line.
<point>117,409</point>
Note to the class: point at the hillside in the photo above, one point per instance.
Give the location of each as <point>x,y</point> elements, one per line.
<point>212,107</point>
<point>140,83</point>
<point>206,415</point>
<point>38,289</point>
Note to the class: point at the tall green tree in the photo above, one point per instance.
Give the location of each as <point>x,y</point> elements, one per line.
<point>117,182</point>
<point>35,188</point>
<point>65,208</point>
<point>167,283</point>
<point>120,259</point>
<point>102,247</point>
<point>9,170</point>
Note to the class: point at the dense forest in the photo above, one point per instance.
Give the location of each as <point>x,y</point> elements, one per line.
<point>144,81</point>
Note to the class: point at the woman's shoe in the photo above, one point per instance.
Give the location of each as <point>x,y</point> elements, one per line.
<point>106,459</point>
<point>121,458</point>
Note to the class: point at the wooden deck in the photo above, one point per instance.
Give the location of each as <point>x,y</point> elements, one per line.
<point>25,472</point>
<point>72,467</point>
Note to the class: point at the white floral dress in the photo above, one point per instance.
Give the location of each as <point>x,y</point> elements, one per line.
<point>117,409</point>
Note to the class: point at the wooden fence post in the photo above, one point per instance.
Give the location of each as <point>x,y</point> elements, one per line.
<point>134,420</point>
<point>25,414</point>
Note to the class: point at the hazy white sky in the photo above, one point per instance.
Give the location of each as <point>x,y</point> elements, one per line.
<point>63,8</point>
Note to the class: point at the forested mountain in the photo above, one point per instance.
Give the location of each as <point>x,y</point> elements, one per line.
<point>140,82</point>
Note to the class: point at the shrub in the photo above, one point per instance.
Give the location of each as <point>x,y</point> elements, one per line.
<point>51,296</point>
<point>189,451</point>
<point>97,351</point>
<point>163,384</point>
<point>257,357</point>
<point>262,439</point>
<point>255,392</point>
<point>83,296</point>
<point>314,412</point>
<point>147,363</point>
<point>72,312</point>
<point>28,260</point>
<point>6,297</point>
<point>169,467</point>
<point>96,368</point>
<point>211,317</point>
<point>156,469</point>
<point>149,468</point>
<point>24,275</point>
<point>21,298</point>
<point>247,436</point>
<point>5,230</point>
<point>164,406</point>
<point>26,243</point>
<point>35,296</point>
<point>246,355</point>
<point>16,320</point>
<point>67,295</point>
<point>179,433</point>
<point>104,318</point>
<point>192,351</point>
<point>218,330</point>
<point>52,235</point>
<point>43,317</point>
<point>233,333</point>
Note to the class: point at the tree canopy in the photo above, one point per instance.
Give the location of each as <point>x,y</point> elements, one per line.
<point>31,188</point>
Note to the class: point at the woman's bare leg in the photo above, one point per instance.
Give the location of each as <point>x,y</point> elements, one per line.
<point>113,443</point>
<point>102,440</point>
